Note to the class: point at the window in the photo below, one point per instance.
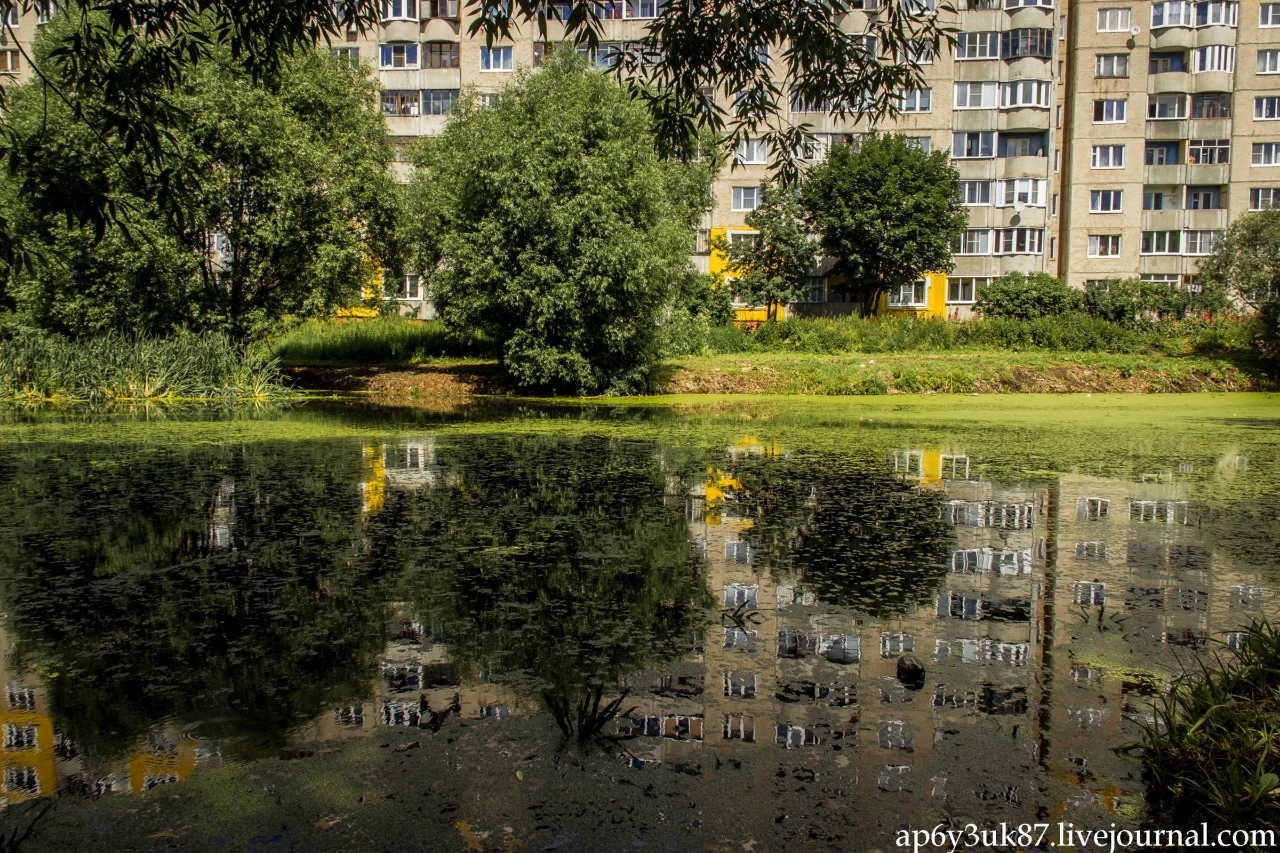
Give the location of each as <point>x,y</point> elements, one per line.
<point>643,8</point>
<point>1269,62</point>
<point>440,9</point>
<point>1266,108</point>
<point>438,102</point>
<point>1107,157</point>
<point>1014,4</point>
<point>1202,242</point>
<point>1025,93</point>
<point>9,61</point>
<point>399,55</point>
<point>740,727</point>
<point>495,59</point>
<point>1088,594</point>
<point>1270,16</point>
<point>968,145</point>
<point>915,100</point>
<point>1204,198</point>
<point>975,192</point>
<point>400,287</point>
<point>1218,57</point>
<point>1105,201</point>
<point>1266,153</point>
<point>1156,200</point>
<point>1109,111</point>
<point>815,289</point>
<point>1019,241</point>
<point>1161,242</point>
<point>978,46</point>
<point>399,10</point>
<point>976,96</point>
<point>1217,105</point>
<point>922,142</point>
<point>1264,198</point>
<point>1104,245</point>
<point>1163,63</point>
<point>907,295</point>
<point>1113,20</point>
<point>1171,14</point>
<point>1026,42</point>
<point>1162,154</point>
<point>1022,191</point>
<point>1166,106</point>
<point>975,241</point>
<point>963,289</point>
<point>11,17</point>
<point>347,54</point>
<point>746,198</point>
<point>1204,152</point>
<point>441,54</point>
<point>1217,13</point>
<point>400,103</point>
<point>740,685</point>
<point>1111,65</point>
<point>1022,145</point>
<point>751,152</point>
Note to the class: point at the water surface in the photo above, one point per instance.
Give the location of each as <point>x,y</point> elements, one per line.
<point>552,626</point>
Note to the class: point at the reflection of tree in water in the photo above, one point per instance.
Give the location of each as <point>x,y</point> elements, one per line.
<point>854,536</point>
<point>227,584</point>
<point>557,566</point>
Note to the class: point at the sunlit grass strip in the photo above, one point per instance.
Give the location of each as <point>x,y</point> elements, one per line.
<point>119,368</point>
<point>1213,751</point>
<point>389,341</point>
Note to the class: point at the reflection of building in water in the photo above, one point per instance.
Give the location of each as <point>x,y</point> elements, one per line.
<point>27,758</point>
<point>408,466</point>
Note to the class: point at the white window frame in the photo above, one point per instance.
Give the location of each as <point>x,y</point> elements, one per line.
<point>1027,191</point>
<point>979,236</point>
<point>1269,61</point>
<point>988,95</point>
<point>959,283</point>
<point>1104,245</point>
<point>972,189</point>
<point>1106,201</point>
<point>738,200</point>
<point>915,100</point>
<point>1264,198</point>
<point>504,55</point>
<point>1269,15</point>
<point>1012,94</point>
<point>405,48</point>
<point>1115,60</point>
<point>1229,17</point>
<point>1205,241</point>
<point>1215,57</point>
<point>1112,161</point>
<point>1117,107</point>
<point>979,155</point>
<point>1151,248</point>
<point>1155,101</point>
<point>1173,13</point>
<point>1265,154</point>
<point>918,298</point>
<point>1115,19</point>
<point>1032,240</point>
<point>978,46</point>
<point>399,10</point>
<point>751,152</point>
<point>1266,108</point>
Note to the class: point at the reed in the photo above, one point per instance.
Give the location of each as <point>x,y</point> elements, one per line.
<point>387,341</point>
<point>116,367</point>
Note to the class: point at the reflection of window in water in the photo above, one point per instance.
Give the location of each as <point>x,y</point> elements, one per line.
<point>401,678</point>
<point>983,649</point>
<point>955,467</point>
<point>1186,637</point>
<point>741,685</point>
<point>792,644</point>
<point>737,551</point>
<point>944,697</point>
<point>680,685</point>
<point>1235,640</point>
<point>20,697</point>
<point>1168,512</point>
<point>960,606</point>
<point>786,596</point>
<point>738,638</point>
<point>1088,593</point>
<point>21,780</point>
<point>737,594</point>
<point>892,777</point>
<point>892,645</point>
<point>1091,551</point>
<point>497,712</point>
<point>1184,598</point>
<point>349,715</point>
<point>400,714</point>
<point>981,561</point>
<point>994,514</point>
<point>893,735</point>
<point>670,726</point>
<point>1092,507</point>
<point>840,648</point>
<point>1247,596</point>
<point>1084,674</point>
<point>19,737</point>
<point>153,780</point>
<point>792,736</point>
<point>700,547</point>
<point>740,727</point>
<point>909,464</point>
<point>1087,718</point>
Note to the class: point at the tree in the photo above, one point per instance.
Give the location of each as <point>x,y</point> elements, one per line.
<point>1247,264</point>
<point>887,213</point>
<point>288,202</point>
<point>546,222</point>
<point>1017,296</point>
<point>770,269</point>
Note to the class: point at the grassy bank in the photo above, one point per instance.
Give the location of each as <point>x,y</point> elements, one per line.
<point>1213,753</point>
<point>119,368</point>
<point>390,341</point>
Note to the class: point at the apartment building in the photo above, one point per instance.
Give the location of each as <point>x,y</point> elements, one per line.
<point>1094,138</point>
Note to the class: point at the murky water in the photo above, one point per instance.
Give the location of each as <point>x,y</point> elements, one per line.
<point>578,627</point>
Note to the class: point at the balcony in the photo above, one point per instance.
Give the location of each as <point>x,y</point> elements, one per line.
<point>1163,175</point>
<point>1208,175</point>
<point>1213,81</point>
<point>1166,130</point>
<point>1024,118</point>
<point>1204,220</point>
<point>1168,38</point>
<point>1162,220</point>
<point>399,31</point>
<point>1034,17</point>
<point>1022,167</point>
<point>1169,81</point>
<point>1208,128</point>
<point>974,120</point>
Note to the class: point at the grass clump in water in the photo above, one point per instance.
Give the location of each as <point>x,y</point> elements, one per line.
<point>117,367</point>
<point>1213,751</point>
<point>386,341</point>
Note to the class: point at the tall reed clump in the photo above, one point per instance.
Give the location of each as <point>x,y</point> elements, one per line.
<point>1213,750</point>
<point>386,341</point>
<point>120,367</point>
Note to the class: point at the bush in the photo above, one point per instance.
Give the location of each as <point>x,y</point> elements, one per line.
<point>1021,297</point>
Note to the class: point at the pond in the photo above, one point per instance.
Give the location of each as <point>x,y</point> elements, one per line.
<point>555,626</point>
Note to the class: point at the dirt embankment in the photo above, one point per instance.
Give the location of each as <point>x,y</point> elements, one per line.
<point>422,382</point>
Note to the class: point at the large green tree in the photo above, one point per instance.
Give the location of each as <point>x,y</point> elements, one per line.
<point>547,222</point>
<point>770,267</point>
<point>286,201</point>
<point>886,212</point>
<point>1247,264</point>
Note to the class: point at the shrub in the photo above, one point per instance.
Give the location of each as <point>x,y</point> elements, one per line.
<point>1021,297</point>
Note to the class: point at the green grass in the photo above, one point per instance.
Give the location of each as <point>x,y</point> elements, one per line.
<point>1213,752</point>
<point>388,341</point>
<point>115,367</point>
